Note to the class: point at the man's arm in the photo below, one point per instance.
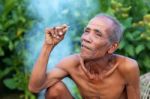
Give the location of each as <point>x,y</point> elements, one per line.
<point>132,75</point>
<point>39,78</point>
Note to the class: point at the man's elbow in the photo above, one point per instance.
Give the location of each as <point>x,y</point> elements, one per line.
<point>32,89</point>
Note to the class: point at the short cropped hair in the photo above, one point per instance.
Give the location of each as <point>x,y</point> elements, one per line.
<point>117,28</point>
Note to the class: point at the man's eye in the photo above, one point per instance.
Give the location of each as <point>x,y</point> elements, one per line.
<point>86,31</point>
<point>98,34</point>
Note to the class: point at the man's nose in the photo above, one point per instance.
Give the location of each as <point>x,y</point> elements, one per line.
<point>87,38</point>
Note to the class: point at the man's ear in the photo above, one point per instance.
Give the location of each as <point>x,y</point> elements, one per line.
<point>113,47</point>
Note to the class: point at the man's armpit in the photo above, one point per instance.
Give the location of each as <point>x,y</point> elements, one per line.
<point>57,73</point>
<point>54,76</point>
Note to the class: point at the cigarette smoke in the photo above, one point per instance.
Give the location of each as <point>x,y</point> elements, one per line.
<point>53,13</point>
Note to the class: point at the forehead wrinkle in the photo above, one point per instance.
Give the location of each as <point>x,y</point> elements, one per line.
<point>106,22</point>
<point>104,19</point>
<point>97,27</point>
<point>93,28</point>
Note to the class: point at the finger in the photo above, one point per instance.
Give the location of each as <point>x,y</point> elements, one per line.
<point>64,25</point>
<point>65,30</point>
<point>54,32</point>
<point>62,31</point>
<point>48,31</point>
<point>59,27</point>
<point>58,32</point>
<point>58,37</point>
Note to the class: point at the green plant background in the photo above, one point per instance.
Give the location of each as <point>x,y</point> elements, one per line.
<point>16,20</point>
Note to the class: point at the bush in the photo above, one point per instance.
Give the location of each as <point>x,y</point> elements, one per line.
<point>135,17</point>
<point>14,23</point>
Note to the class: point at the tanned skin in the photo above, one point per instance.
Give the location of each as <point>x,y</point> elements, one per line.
<point>97,72</point>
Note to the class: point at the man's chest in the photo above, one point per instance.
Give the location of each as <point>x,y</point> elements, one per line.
<point>111,86</point>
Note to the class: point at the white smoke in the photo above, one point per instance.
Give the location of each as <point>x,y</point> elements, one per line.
<point>52,13</point>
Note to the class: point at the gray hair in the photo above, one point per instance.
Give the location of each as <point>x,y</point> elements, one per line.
<point>117,28</point>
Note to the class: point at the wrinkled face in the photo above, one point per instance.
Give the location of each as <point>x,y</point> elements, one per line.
<point>95,39</point>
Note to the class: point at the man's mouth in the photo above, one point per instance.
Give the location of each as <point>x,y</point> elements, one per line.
<point>85,47</point>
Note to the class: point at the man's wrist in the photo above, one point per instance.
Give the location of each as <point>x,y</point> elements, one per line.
<point>48,46</point>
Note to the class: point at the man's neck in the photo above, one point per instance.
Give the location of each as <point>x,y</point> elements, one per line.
<point>100,65</point>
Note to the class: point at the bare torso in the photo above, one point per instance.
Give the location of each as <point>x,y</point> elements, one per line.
<point>109,87</point>
<point>98,76</point>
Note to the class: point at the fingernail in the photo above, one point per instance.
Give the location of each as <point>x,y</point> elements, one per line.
<point>57,37</point>
<point>54,35</point>
<point>60,33</point>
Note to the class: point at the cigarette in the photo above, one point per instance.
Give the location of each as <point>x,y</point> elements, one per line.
<point>60,27</point>
<point>66,27</point>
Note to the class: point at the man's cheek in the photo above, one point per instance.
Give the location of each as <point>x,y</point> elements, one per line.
<point>101,46</point>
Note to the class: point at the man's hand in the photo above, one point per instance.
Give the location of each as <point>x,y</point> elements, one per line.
<point>39,78</point>
<point>54,35</point>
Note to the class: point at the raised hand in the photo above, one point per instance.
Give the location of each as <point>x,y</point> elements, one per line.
<point>54,35</point>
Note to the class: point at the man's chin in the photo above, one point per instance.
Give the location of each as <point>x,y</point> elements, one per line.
<point>85,57</point>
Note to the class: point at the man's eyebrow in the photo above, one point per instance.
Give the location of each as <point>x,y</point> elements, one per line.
<point>95,30</point>
<point>98,31</point>
<point>87,28</point>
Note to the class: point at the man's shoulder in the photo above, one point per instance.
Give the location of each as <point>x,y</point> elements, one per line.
<point>69,61</point>
<point>126,61</point>
<point>127,66</point>
<point>72,58</point>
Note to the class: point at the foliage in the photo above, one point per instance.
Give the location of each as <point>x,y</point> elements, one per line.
<point>14,23</point>
<point>135,17</point>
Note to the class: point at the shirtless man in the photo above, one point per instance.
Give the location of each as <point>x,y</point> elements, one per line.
<point>96,70</point>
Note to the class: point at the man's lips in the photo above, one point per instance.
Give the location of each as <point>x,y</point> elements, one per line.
<point>84,46</point>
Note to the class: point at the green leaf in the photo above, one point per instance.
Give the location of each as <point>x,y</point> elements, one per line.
<point>122,44</point>
<point>130,50</point>
<point>104,5</point>
<point>20,31</point>
<point>1,52</point>
<point>8,24</point>
<point>10,46</point>
<point>139,48</point>
<point>127,23</point>
<point>5,72</point>
<point>9,5</point>
<point>4,39</point>
<point>10,83</point>
<point>129,36</point>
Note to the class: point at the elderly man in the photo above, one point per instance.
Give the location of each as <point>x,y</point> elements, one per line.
<point>96,70</point>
